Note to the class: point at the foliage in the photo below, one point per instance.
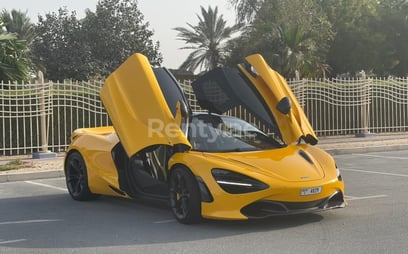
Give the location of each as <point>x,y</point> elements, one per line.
<point>246,9</point>
<point>315,38</point>
<point>292,35</point>
<point>318,36</point>
<point>59,47</point>
<point>394,26</point>
<point>13,164</point>
<point>357,43</point>
<point>19,23</point>
<point>68,48</point>
<point>206,39</point>
<point>14,64</point>
<point>115,31</point>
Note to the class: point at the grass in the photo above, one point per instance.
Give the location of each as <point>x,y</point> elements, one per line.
<point>14,164</point>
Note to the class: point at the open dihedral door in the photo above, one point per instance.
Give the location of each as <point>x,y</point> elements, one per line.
<point>144,105</point>
<point>261,91</point>
<point>292,121</point>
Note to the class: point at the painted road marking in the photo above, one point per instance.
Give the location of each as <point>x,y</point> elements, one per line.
<point>164,221</point>
<point>373,172</point>
<point>46,185</point>
<point>12,241</point>
<point>381,156</point>
<point>26,221</point>
<point>348,198</point>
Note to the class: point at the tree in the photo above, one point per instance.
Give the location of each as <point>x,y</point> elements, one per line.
<point>14,64</point>
<point>246,9</point>
<point>68,48</point>
<point>115,31</point>
<point>19,23</point>
<point>292,35</point>
<point>394,27</point>
<point>60,48</point>
<point>207,40</point>
<point>357,43</point>
<point>295,49</point>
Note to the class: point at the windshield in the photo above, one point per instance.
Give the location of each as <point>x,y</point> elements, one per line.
<point>215,133</point>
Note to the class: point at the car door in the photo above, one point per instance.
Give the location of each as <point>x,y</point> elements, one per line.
<point>146,106</point>
<point>261,91</point>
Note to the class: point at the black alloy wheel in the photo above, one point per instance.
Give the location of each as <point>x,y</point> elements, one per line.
<point>76,177</point>
<point>185,199</point>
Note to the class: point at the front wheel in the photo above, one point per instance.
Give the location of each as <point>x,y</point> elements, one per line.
<point>76,177</point>
<point>185,199</point>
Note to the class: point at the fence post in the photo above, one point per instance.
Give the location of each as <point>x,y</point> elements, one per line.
<point>365,107</point>
<point>44,153</point>
<point>43,128</point>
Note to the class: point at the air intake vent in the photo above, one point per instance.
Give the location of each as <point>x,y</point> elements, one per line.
<point>305,156</point>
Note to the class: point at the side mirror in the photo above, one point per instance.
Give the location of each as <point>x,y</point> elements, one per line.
<point>284,106</point>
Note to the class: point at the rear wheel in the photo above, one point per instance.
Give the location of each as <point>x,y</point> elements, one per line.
<point>185,199</point>
<point>76,177</point>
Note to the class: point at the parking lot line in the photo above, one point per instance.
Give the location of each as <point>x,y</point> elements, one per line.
<point>12,241</point>
<point>26,221</point>
<point>348,198</point>
<point>46,185</point>
<point>373,172</point>
<point>381,156</point>
<point>165,221</point>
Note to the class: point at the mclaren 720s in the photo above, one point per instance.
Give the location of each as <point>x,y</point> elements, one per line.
<point>206,164</point>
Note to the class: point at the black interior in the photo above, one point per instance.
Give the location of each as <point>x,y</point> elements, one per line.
<point>145,174</point>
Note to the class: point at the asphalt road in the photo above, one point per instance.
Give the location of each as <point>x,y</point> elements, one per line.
<point>40,217</point>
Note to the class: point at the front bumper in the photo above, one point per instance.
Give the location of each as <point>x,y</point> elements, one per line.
<point>273,201</point>
<point>267,208</point>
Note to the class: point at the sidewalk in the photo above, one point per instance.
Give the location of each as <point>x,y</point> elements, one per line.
<point>51,168</point>
<point>33,169</point>
<point>372,143</point>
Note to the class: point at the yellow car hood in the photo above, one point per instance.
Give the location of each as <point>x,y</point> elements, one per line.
<point>144,105</point>
<point>290,164</point>
<point>261,91</point>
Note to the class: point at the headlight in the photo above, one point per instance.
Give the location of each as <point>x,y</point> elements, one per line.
<point>339,177</point>
<point>236,183</point>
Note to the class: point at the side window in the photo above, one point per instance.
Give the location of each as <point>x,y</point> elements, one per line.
<point>171,90</point>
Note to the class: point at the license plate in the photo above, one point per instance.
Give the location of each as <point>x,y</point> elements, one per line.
<point>311,191</point>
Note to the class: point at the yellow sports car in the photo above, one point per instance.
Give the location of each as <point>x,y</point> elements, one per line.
<point>208,164</point>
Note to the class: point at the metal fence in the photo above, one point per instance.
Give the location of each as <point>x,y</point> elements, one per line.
<point>354,106</point>
<point>30,113</point>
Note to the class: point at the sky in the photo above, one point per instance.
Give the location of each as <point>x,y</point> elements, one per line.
<point>162,15</point>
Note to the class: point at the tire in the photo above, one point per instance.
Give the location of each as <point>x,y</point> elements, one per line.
<point>76,178</point>
<point>185,198</point>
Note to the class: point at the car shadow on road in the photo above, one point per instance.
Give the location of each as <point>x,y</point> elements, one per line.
<point>56,221</point>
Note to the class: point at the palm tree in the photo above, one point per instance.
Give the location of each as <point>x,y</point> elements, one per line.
<point>13,63</point>
<point>298,53</point>
<point>19,23</point>
<point>16,35</point>
<point>207,40</point>
<point>246,9</point>
<point>295,48</point>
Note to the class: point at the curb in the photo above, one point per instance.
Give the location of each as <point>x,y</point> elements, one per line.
<point>368,149</point>
<point>25,176</point>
